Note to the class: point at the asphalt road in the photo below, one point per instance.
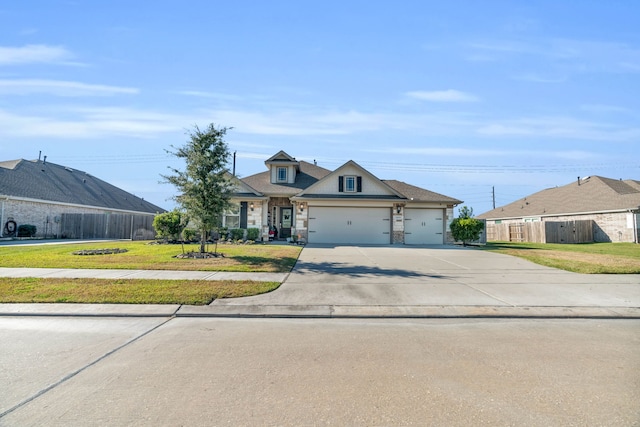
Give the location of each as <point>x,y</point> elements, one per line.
<point>213,371</point>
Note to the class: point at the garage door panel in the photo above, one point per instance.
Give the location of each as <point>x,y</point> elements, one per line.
<point>424,226</point>
<point>349,225</point>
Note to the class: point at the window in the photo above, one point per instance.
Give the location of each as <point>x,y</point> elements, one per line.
<point>282,174</point>
<point>232,217</point>
<point>349,184</point>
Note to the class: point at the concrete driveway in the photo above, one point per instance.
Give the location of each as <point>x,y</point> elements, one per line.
<point>438,276</point>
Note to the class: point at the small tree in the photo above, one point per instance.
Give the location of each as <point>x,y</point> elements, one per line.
<point>204,187</point>
<point>465,228</point>
<point>169,225</point>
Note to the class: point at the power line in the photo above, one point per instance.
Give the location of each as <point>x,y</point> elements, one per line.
<point>392,166</point>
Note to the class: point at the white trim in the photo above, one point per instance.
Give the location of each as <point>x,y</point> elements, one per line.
<point>286,174</point>
<point>354,180</point>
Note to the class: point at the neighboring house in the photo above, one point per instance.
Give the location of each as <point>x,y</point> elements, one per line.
<point>346,206</point>
<point>612,205</point>
<point>64,202</point>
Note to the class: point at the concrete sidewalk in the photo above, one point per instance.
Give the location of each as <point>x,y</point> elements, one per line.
<point>71,273</point>
<point>381,282</point>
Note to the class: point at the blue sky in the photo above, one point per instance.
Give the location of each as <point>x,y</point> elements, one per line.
<point>457,97</point>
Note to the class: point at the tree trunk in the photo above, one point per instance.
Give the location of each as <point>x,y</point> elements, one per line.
<point>203,240</point>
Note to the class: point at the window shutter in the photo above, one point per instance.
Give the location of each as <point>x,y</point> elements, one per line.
<point>359,184</point>
<point>341,184</point>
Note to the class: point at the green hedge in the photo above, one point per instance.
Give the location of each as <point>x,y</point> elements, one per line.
<point>27,230</point>
<point>253,233</point>
<point>237,233</point>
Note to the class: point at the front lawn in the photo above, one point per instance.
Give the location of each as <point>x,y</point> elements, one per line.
<point>589,258</point>
<point>145,256</point>
<point>129,291</point>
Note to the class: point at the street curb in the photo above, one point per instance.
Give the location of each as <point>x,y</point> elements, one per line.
<point>408,312</point>
<point>317,311</point>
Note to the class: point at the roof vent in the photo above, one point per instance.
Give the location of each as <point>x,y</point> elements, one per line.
<point>68,169</point>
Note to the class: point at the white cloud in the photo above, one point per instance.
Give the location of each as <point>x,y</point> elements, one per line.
<point>33,53</point>
<point>485,152</point>
<point>576,56</point>
<point>60,88</point>
<point>559,127</point>
<point>537,78</point>
<point>442,96</point>
<point>90,123</point>
<point>211,95</point>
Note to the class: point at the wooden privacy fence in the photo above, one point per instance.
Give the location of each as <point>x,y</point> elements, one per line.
<point>107,226</point>
<point>542,232</point>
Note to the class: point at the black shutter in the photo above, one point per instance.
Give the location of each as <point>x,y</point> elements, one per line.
<point>243,214</point>
<point>359,184</point>
<point>341,184</point>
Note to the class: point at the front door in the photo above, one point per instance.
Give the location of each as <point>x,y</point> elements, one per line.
<point>286,220</point>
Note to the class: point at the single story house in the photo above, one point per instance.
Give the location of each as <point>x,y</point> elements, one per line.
<point>613,207</point>
<point>65,202</point>
<point>349,205</point>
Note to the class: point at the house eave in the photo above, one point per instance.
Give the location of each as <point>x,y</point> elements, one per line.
<point>351,197</point>
<point>74,205</point>
<point>550,215</point>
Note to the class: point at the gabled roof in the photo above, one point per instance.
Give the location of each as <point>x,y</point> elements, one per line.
<point>34,179</point>
<point>308,175</point>
<point>417,194</point>
<point>591,194</point>
<point>241,188</point>
<point>337,172</point>
<point>282,158</point>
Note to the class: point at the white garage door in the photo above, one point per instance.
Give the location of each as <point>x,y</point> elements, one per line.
<point>423,226</point>
<point>350,225</point>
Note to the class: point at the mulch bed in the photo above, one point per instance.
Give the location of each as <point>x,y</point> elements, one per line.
<point>200,255</point>
<point>100,251</point>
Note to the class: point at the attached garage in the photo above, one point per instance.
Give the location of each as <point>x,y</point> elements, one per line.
<point>350,225</point>
<point>424,226</point>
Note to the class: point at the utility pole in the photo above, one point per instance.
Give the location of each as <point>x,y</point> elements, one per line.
<point>493,194</point>
<point>234,163</point>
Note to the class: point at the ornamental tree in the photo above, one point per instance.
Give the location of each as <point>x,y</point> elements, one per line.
<point>169,225</point>
<point>465,228</point>
<point>205,190</point>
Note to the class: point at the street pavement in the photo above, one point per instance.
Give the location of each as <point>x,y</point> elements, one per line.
<point>314,372</point>
<point>383,281</point>
<point>354,336</point>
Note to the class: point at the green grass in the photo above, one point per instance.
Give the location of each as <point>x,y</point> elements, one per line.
<point>130,291</point>
<point>588,258</point>
<point>145,256</point>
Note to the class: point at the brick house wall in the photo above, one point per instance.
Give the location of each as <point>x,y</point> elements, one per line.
<point>607,227</point>
<point>45,216</point>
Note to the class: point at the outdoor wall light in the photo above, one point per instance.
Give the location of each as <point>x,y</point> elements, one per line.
<point>399,209</point>
<point>301,207</point>
<point>251,205</point>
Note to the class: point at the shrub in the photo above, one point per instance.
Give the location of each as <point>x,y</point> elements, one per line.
<point>27,230</point>
<point>237,234</point>
<point>189,234</point>
<point>223,232</point>
<point>169,225</point>
<point>253,233</point>
<point>466,229</point>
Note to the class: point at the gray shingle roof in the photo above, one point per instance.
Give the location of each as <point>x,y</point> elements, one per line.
<point>308,175</point>
<point>38,180</point>
<point>418,194</point>
<point>591,194</point>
